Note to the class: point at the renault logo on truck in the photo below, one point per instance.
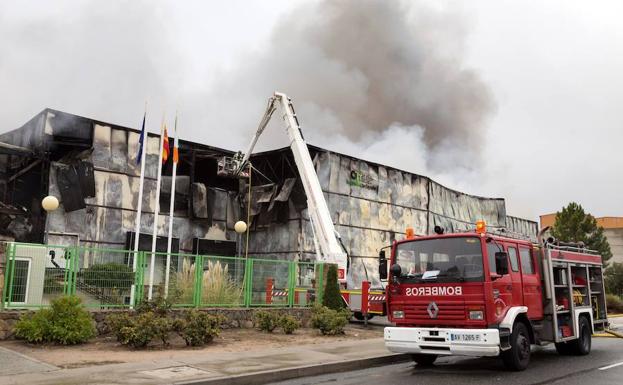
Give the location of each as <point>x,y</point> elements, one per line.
<point>433,310</point>
<point>434,290</point>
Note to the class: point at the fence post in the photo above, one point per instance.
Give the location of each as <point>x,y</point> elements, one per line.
<point>9,272</point>
<point>134,288</point>
<point>291,283</point>
<point>138,278</point>
<point>6,276</point>
<point>197,291</point>
<point>67,275</point>
<point>248,282</point>
<point>320,284</point>
<point>75,259</point>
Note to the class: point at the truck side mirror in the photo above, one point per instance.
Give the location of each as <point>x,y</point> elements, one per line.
<point>382,265</point>
<point>501,263</point>
<point>395,270</point>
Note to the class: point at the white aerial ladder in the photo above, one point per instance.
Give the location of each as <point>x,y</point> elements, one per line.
<point>327,240</point>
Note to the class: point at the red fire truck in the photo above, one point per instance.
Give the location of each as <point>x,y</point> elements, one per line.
<point>491,294</point>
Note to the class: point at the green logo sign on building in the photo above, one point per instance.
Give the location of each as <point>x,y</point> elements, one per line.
<point>359,179</point>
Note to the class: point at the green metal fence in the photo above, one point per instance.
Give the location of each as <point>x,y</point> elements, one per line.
<point>109,278</point>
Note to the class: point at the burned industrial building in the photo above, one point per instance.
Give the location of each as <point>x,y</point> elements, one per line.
<point>91,167</point>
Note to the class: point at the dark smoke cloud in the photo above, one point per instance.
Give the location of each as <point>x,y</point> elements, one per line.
<point>383,80</point>
<point>356,68</point>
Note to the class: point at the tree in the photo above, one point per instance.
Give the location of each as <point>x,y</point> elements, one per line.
<point>573,224</point>
<point>332,298</point>
<point>614,278</point>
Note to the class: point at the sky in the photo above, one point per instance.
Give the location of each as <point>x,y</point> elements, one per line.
<point>509,99</point>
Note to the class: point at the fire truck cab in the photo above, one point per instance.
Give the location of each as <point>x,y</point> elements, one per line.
<point>488,294</point>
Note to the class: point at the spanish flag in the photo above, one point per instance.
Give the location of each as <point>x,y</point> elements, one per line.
<point>165,146</point>
<point>176,156</point>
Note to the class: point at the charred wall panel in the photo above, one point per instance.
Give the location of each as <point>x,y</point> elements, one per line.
<point>522,226</point>
<point>30,135</point>
<point>372,205</point>
<point>454,210</point>
<point>111,213</point>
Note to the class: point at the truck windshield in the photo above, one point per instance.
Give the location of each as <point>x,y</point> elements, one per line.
<point>441,260</point>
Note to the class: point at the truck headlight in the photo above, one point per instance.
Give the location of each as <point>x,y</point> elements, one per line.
<point>476,315</point>
<point>398,314</point>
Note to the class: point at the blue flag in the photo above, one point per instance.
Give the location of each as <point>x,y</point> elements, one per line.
<point>140,142</point>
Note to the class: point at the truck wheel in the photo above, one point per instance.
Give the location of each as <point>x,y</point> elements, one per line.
<point>518,356</point>
<point>359,316</point>
<point>424,359</point>
<point>582,346</point>
<point>563,348</point>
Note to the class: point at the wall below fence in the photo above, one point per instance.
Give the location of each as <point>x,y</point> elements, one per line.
<point>235,318</point>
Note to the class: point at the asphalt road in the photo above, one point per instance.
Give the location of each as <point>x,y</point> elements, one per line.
<point>546,367</point>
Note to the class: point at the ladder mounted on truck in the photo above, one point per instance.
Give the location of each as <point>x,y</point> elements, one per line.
<point>327,240</point>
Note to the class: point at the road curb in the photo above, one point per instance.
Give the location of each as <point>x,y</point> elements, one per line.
<point>603,335</point>
<point>268,376</point>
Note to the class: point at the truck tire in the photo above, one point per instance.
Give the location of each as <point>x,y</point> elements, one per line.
<point>359,316</point>
<point>517,357</point>
<point>563,348</point>
<point>582,346</point>
<point>424,359</point>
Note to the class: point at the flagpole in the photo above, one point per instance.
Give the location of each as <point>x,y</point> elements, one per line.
<point>139,205</point>
<point>156,212</point>
<point>171,209</point>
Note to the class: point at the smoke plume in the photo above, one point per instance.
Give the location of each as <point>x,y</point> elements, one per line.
<point>382,80</point>
<point>357,70</point>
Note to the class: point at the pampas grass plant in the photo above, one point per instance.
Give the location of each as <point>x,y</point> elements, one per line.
<point>217,287</point>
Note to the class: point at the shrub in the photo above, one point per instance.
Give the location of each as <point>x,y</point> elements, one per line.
<point>162,327</point>
<point>266,321</point>
<point>329,321</point>
<point>108,275</point>
<point>332,298</point>
<point>614,303</point>
<point>34,327</point>
<point>116,322</point>
<point>65,322</point>
<point>142,327</point>
<point>289,324</point>
<point>159,305</point>
<point>198,328</point>
<point>139,332</point>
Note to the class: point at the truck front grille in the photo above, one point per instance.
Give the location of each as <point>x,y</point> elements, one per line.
<point>447,311</point>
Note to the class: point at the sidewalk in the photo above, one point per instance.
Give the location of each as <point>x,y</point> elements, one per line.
<point>266,366</point>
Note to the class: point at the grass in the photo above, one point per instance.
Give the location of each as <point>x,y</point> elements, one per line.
<point>217,286</point>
